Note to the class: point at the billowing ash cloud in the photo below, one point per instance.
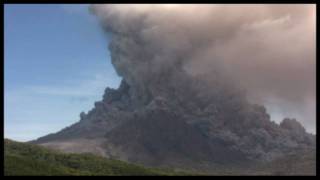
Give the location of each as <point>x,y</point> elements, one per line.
<point>268,50</point>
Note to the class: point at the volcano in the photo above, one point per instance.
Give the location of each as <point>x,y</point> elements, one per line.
<point>164,114</point>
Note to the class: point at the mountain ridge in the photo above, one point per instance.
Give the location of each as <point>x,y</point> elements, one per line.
<point>161,133</point>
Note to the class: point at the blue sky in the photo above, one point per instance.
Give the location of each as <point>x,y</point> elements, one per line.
<point>56,65</point>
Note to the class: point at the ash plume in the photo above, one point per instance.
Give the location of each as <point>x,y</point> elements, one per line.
<point>196,81</point>
<point>268,51</point>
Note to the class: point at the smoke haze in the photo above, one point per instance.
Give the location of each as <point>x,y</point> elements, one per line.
<point>267,50</point>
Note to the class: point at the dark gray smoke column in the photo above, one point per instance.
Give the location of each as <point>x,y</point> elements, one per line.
<point>267,50</point>
<point>192,78</point>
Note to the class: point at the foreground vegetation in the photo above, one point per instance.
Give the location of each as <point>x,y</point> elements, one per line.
<point>28,159</point>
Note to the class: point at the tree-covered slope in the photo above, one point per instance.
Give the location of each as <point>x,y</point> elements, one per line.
<point>28,159</point>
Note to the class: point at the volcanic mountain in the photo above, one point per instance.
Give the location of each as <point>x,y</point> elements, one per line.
<point>166,113</point>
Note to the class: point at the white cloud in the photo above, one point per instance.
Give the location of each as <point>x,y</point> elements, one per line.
<point>89,87</point>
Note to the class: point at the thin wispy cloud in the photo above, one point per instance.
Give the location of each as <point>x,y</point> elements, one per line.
<point>89,87</point>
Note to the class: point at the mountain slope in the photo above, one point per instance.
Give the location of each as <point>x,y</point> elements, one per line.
<point>27,159</point>
<point>180,130</point>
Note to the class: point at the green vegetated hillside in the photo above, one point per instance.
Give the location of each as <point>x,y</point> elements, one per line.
<point>28,159</point>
